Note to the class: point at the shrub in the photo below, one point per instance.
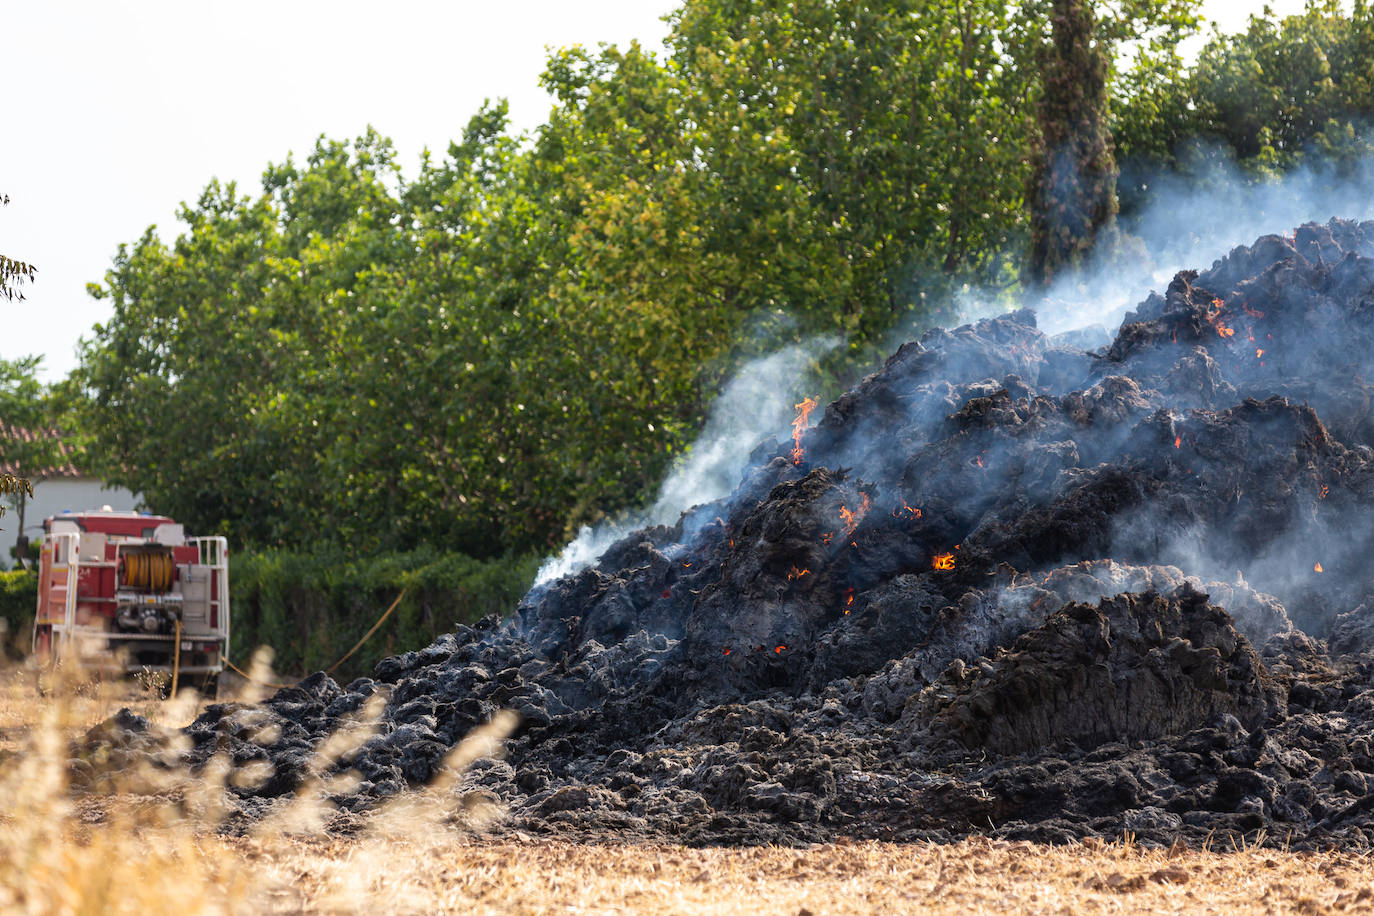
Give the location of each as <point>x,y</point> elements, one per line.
<point>18,597</point>
<point>312,608</point>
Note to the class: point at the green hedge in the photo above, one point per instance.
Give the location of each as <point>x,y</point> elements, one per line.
<point>312,608</point>
<point>18,599</point>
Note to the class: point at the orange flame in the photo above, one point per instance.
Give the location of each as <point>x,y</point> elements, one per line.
<point>1215,319</point>
<point>799,427</point>
<point>848,598</point>
<point>944,561</point>
<point>852,519</point>
<point>1178,441</point>
<point>796,573</point>
<point>1325,490</point>
<point>727,651</point>
<point>778,649</point>
<point>1317,567</point>
<point>1259,352</point>
<point>906,511</point>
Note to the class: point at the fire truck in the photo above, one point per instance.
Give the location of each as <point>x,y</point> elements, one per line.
<point>130,592</point>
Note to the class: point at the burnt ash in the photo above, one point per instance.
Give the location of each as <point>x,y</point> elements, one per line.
<point>1133,637</point>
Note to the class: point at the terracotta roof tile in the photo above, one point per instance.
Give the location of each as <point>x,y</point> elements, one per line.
<point>10,433</point>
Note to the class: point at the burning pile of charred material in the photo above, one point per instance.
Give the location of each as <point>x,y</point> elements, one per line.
<point>1006,585</point>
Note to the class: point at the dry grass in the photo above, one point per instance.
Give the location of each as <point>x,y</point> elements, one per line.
<point>152,848</point>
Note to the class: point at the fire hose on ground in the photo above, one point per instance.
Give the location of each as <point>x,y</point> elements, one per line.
<point>330,670</point>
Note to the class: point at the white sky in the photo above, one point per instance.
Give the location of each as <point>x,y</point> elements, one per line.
<point>120,110</point>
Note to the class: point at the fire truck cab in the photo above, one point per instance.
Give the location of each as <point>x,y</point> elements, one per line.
<point>130,592</point>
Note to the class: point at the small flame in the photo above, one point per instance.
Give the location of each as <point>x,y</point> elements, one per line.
<point>827,537</point>
<point>1317,567</point>
<point>796,573</point>
<point>778,649</point>
<point>1215,319</point>
<point>852,519</point>
<point>1178,441</point>
<point>1259,352</point>
<point>979,461</point>
<point>848,598</point>
<point>686,565</point>
<point>1325,490</point>
<point>906,511</point>
<point>727,650</point>
<point>799,427</point>
<point>944,561</point>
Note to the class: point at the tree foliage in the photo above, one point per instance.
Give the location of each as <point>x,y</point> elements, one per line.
<point>1288,89</point>
<point>14,273</point>
<point>521,335</point>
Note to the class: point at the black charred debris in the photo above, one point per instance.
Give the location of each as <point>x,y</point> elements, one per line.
<point>1013,588</point>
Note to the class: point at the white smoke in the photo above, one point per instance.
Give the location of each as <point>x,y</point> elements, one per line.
<point>1198,217</point>
<point>760,401</point>
<point>1194,217</point>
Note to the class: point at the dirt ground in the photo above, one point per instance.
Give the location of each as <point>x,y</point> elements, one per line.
<point>970,877</point>
<point>149,853</point>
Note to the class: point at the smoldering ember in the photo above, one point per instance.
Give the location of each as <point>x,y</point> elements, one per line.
<point>1006,585</point>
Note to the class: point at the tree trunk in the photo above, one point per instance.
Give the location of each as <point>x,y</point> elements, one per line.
<point>1073,200</point>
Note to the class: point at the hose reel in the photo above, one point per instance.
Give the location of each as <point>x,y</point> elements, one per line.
<point>149,569</point>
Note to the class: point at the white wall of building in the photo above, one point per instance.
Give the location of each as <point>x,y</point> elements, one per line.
<point>50,497</point>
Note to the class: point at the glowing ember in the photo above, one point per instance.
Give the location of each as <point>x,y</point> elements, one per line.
<point>943,561</point>
<point>686,565</point>
<point>796,573</point>
<point>1216,320</point>
<point>905,511</point>
<point>727,651</point>
<point>667,593</point>
<point>778,649</point>
<point>799,427</point>
<point>1325,490</point>
<point>1317,567</point>
<point>852,519</point>
<point>827,537</point>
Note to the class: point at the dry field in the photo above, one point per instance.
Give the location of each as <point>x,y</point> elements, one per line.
<point>152,848</point>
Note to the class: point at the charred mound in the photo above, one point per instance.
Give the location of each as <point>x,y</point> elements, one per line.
<point>1005,585</point>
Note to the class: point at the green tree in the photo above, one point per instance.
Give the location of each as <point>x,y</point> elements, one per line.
<point>1285,90</point>
<point>27,439</point>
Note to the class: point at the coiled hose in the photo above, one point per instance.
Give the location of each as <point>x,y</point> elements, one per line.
<point>151,571</point>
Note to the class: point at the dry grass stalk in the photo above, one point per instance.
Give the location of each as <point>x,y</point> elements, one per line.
<point>150,845</point>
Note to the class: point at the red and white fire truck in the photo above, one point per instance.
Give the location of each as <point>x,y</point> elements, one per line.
<point>127,591</point>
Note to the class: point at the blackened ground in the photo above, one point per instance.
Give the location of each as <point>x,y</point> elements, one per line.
<point>1014,587</point>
